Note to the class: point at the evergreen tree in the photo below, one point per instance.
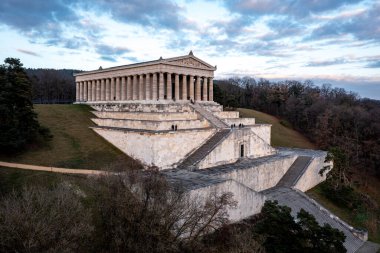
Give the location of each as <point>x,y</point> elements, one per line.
<point>18,121</point>
<point>284,234</point>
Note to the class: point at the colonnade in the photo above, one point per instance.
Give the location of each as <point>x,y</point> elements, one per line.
<point>151,86</point>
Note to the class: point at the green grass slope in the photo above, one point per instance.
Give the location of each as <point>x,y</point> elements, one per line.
<point>282,136</point>
<point>74,145</point>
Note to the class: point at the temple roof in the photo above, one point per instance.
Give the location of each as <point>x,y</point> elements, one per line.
<point>185,61</point>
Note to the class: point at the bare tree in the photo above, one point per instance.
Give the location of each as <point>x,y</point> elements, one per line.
<point>141,212</point>
<point>42,220</point>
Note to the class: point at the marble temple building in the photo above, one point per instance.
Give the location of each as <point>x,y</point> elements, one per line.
<point>173,79</point>
<point>162,113</point>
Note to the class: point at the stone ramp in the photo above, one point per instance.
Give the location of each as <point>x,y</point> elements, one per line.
<point>203,150</point>
<point>291,176</point>
<point>297,200</point>
<point>215,121</point>
<point>369,247</point>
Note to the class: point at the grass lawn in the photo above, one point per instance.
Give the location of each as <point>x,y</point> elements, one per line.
<point>282,136</point>
<point>74,145</point>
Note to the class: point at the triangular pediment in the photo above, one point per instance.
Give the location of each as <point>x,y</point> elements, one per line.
<point>190,61</point>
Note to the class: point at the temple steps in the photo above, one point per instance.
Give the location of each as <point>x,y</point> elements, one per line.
<point>215,121</point>
<point>291,176</point>
<point>204,150</point>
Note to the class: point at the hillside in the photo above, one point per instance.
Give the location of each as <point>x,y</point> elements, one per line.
<point>282,135</point>
<point>74,145</point>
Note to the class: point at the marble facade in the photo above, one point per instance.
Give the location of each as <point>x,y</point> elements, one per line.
<point>172,79</point>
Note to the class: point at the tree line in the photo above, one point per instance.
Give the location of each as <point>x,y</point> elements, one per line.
<point>51,86</point>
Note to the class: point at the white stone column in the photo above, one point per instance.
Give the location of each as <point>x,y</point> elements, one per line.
<point>211,90</point>
<point>77,91</point>
<point>112,85</point>
<point>147,87</point>
<point>154,87</point>
<point>89,91</point>
<point>191,88</point>
<point>198,89</point>
<point>97,90</point>
<point>123,89</point>
<point>117,88</point>
<point>176,87</point>
<point>81,91</point>
<point>85,91</point>
<point>169,94</point>
<point>204,98</point>
<point>103,90</point>
<point>93,90</point>
<point>135,88</point>
<point>184,87</point>
<point>141,87</point>
<point>161,89</point>
<point>85,95</point>
<point>108,90</point>
<point>129,88</point>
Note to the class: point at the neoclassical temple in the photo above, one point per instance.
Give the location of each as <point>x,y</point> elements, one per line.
<point>162,114</point>
<point>172,79</point>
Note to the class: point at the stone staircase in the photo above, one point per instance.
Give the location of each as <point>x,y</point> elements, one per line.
<point>190,161</point>
<point>294,172</point>
<point>215,121</point>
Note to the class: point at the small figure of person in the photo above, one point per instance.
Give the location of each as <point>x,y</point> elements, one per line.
<point>172,127</point>
<point>175,128</point>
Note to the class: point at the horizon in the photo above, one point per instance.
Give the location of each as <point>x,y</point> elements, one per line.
<point>334,42</point>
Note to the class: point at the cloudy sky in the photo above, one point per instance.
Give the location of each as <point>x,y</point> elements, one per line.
<point>335,41</point>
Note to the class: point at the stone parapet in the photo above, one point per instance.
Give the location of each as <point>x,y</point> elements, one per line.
<point>152,125</point>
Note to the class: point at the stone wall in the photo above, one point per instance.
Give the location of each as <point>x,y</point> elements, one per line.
<point>228,151</point>
<point>259,175</point>
<point>147,116</point>
<point>155,149</point>
<point>263,131</point>
<point>152,125</point>
<point>244,121</point>
<point>311,176</point>
<point>249,202</point>
<point>142,106</point>
<point>227,115</point>
<point>212,107</point>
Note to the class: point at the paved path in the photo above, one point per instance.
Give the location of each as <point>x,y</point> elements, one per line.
<point>51,169</point>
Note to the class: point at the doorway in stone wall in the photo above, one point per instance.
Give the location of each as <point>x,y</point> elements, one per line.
<point>241,150</point>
